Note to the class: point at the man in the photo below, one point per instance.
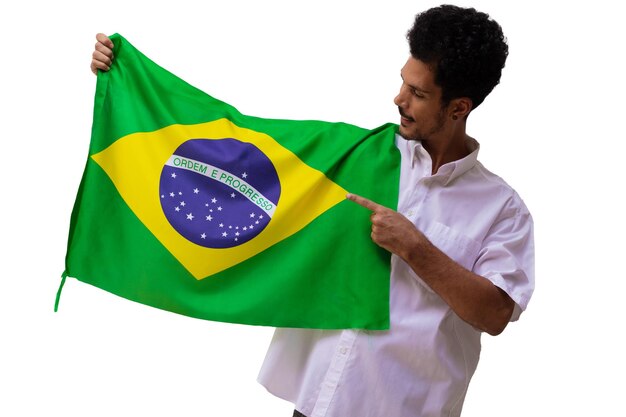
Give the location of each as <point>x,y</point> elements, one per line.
<point>461,242</point>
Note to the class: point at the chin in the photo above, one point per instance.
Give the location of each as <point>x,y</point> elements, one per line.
<point>407,135</point>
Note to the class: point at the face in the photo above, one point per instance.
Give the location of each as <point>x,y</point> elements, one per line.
<point>419,102</point>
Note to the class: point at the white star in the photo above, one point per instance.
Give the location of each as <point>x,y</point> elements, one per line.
<point>251,226</point>
<point>206,204</point>
<point>261,216</point>
<point>224,234</point>
<point>177,208</point>
<point>245,228</point>
<point>211,210</point>
<point>244,175</point>
<point>162,196</point>
<point>256,222</point>
<point>182,203</point>
<point>232,195</point>
<point>203,235</point>
<point>230,227</point>
<point>196,191</point>
<point>190,216</point>
<point>221,224</point>
<point>236,239</point>
<point>209,217</point>
<point>173,175</point>
<point>236,233</point>
<point>180,193</point>
<point>172,194</point>
<point>219,208</point>
<point>251,215</point>
<point>214,200</point>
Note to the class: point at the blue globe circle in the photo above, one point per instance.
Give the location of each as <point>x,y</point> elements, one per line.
<point>219,193</point>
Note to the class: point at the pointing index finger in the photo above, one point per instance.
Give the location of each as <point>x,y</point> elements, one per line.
<point>362,201</point>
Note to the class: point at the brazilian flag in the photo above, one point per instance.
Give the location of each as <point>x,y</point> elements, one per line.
<point>189,206</point>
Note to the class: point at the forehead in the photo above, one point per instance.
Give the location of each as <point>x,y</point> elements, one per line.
<point>418,74</point>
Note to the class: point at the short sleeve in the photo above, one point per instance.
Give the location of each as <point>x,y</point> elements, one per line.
<point>507,255</point>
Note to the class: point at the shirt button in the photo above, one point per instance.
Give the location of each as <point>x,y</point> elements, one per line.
<point>343,350</point>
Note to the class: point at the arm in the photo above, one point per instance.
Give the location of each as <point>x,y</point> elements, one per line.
<point>473,298</point>
<point>102,56</point>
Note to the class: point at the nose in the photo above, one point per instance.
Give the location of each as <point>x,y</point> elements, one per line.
<point>396,100</point>
<point>400,99</point>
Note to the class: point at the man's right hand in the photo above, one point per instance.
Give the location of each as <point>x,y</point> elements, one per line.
<point>102,56</point>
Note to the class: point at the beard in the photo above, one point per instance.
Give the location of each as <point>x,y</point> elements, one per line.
<point>424,136</point>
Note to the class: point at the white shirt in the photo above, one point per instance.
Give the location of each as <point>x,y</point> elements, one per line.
<point>422,366</point>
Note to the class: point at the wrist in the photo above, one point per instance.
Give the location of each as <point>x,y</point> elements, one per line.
<point>417,246</point>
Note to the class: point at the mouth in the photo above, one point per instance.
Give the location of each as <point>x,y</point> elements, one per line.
<point>404,119</point>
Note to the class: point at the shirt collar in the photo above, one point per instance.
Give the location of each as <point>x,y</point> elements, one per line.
<point>452,170</point>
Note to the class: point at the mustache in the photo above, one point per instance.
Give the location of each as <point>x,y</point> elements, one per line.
<point>404,114</point>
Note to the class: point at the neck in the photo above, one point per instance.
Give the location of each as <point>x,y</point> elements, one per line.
<point>447,147</point>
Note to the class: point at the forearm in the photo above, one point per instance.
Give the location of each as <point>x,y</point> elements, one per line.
<point>473,298</point>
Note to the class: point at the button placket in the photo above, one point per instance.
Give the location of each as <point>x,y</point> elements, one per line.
<point>334,373</point>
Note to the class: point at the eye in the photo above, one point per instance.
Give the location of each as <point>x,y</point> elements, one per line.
<point>416,93</point>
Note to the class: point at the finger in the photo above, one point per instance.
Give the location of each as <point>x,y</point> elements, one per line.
<point>95,66</point>
<point>100,62</point>
<point>362,201</point>
<point>100,57</point>
<point>104,50</point>
<point>104,39</point>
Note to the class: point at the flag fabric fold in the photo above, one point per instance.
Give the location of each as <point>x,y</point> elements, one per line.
<point>189,206</point>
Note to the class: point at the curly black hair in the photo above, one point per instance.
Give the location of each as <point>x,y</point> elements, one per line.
<point>466,49</point>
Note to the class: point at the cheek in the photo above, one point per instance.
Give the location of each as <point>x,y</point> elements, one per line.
<point>418,110</point>
<point>426,115</point>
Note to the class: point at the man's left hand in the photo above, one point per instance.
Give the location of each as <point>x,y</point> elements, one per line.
<point>390,229</point>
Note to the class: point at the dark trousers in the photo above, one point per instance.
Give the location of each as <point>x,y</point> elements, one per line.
<point>296,413</point>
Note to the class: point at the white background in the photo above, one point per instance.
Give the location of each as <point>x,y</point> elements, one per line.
<point>552,129</point>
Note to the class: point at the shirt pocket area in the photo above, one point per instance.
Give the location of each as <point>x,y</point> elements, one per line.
<point>462,249</point>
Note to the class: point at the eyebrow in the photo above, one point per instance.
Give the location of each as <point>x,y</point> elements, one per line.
<point>421,90</point>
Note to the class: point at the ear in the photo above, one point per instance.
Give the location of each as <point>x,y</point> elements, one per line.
<point>459,108</point>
